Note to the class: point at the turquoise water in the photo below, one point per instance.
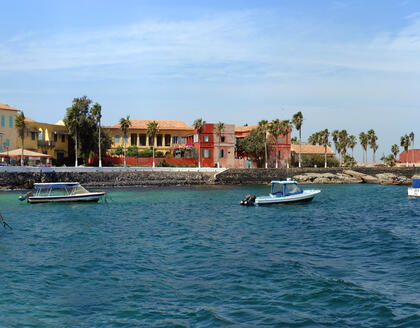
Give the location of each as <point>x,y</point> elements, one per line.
<point>192,257</point>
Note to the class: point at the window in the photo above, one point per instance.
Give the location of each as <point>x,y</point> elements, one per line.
<point>63,138</point>
<point>206,138</point>
<point>142,139</point>
<point>40,137</point>
<point>60,155</point>
<point>2,121</point>
<point>117,138</point>
<point>55,137</point>
<point>206,153</point>
<point>183,140</point>
<point>195,137</point>
<point>222,139</point>
<point>280,140</point>
<point>174,140</point>
<point>167,140</point>
<point>134,139</point>
<point>280,154</point>
<point>33,135</point>
<point>222,153</point>
<point>7,143</point>
<point>10,121</point>
<point>159,140</point>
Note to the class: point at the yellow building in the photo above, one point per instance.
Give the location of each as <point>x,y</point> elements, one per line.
<point>8,132</point>
<point>45,138</point>
<point>172,133</point>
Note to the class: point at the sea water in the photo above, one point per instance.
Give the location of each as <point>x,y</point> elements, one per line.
<point>193,257</point>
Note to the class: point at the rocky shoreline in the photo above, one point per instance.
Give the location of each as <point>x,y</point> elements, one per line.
<point>97,178</point>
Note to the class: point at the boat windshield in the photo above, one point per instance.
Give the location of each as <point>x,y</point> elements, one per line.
<point>292,188</point>
<point>277,189</point>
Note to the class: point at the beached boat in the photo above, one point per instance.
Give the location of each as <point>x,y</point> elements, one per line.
<point>61,192</point>
<point>282,192</point>
<point>414,191</point>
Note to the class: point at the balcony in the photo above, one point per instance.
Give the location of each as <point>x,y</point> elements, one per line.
<point>46,144</point>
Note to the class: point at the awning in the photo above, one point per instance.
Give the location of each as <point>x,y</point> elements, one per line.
<point>26,153</point>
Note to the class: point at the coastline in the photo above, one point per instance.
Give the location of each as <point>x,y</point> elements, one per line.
<point>24,178</point>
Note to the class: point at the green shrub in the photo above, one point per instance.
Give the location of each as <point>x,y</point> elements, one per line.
<point>148,152</point>
<point>389,160</point>
<point>319,161</point>
<point>164,163</point>
<point>132,151</point>
<point>349,161</point>
<point>159,154</point>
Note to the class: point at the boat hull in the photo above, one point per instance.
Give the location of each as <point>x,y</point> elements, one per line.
<point>90,197</point>
<point>306,196</point>
<point>413,192</point>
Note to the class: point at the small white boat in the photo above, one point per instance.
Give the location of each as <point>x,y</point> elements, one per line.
<point>61,192</point>
<point>282,192</point>
<point>414,191</point>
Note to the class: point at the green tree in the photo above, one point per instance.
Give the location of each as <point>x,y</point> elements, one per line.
<point>411,135</point>
<point>313,139</point>
<point>97,115</point>
<point>286,127</point>
<point>405,143</point>
<point>253,145</point>
<point>395,150</point>
<point>335,135</point>
<point>21,127</point>
<point>297,121</point>
<point>343,140</point>
<point>152,131</point>
<point>275,130</point>
<point>294,141</point>
<point>372,142</point>
<point>198,126</point>
<point>125,124</point>
<point>263,127</point>
<point>72,123</point>
<point>219,129</point>
<point>364,141</point>
<point>324,141</point>
<point>352,142</point>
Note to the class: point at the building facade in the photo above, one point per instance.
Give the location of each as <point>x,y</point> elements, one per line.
<point>48,139</point>
<point>8,132</point>
<point>172,134</point>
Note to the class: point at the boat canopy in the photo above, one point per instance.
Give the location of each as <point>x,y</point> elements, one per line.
<point>56,185</point>
<point>416,183</point>
<point>285,188</point>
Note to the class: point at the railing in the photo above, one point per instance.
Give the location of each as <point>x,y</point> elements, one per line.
<point>46,144</point>
<point>20,169</point>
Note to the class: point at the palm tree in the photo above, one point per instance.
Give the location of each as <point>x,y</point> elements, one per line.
<point>411,135</point>
<point>21,126</point>
<point>352,142</point>
<point>97,115</point>
<point>125,124</point>
<point>297,121</point>
<point>152,131</point>
<point>372,142</point>
<point>72,121</point>
<point>335,135</point>
<point>263,128</point>
<point>405,142</point>
<point>276,130</point>
<point>219,129</point>
<point>198,125</point>
<point>323,141</point>
<point>395,150</point>
<point>314,138</point>
<point>285,129</point>
<point>364,140</point>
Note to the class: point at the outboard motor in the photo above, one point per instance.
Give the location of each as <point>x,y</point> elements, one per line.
<point>24,197</point>
<point>249,200</point>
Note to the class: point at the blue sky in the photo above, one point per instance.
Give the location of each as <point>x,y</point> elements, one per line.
<point>345,64</point>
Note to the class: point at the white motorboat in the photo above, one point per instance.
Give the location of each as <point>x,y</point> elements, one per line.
<point>282,192</point>
<point>61,192</point>
<point>414,191</point>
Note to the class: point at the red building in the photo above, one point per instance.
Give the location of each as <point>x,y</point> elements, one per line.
<point>413,156</point>
<point>279,148</point>
<point>215,149</point>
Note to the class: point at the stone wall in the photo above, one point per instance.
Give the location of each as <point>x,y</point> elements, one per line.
<point>20,180</point>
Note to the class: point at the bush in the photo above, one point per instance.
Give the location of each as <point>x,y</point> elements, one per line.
<point>319,161</point>
<point>389,160</point>
<point>164,163</point>
<point>349,161</point>
<point>148,152</point>
<point>159,154</point>
<point>132,151</point>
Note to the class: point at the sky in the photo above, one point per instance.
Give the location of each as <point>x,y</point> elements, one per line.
<point>345,64</point>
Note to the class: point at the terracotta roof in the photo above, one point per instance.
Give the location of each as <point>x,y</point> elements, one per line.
<point>3,106</point>
<point>311,149</point>
<point>163,125</point>
<point>246,128</point>
<point>27,119</point>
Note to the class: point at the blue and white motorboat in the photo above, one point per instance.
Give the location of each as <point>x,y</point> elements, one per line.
<point>61,192</point>
<point>282,192</point>
<point>414,191</point>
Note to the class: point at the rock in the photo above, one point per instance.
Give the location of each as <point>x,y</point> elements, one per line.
<point>365,178</point>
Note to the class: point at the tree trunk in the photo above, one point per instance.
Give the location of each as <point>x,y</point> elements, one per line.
<point>75,146</point>
<point>374,157</point>
<point>277,152</point>
<point>413,154</point>
<point>325,156</point>
<point>218,155</point>
<point>22,159</point>
<point>153,154</point>
<point>125,154</point>
<point>406,151</point>
<point>199,152</point>
<point>287,150</point>
<point>300,145</point>
<point>265,149</point>
<point>100,155</point>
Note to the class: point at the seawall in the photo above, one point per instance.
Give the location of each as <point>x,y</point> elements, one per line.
<point>24,178</point>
